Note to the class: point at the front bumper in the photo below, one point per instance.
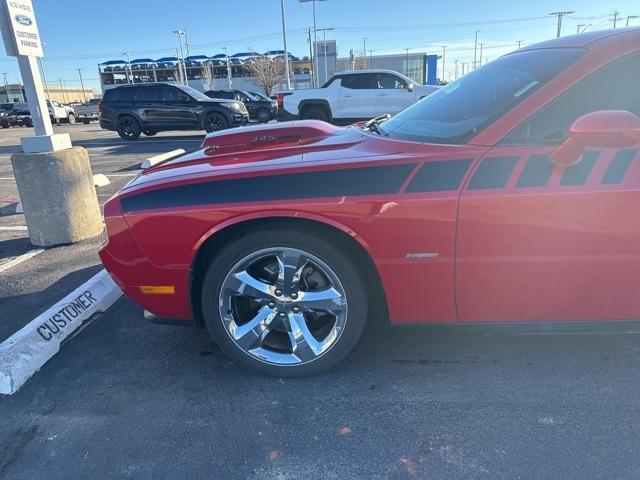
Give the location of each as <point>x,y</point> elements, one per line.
<point>238,119</point>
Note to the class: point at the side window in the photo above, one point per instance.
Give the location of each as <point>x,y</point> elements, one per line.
<point>148,94</point>
<point>360,82</point>
<point>387,81</point>
<point>225,95</point>
<point>614,87</point>
<point>170,94</point>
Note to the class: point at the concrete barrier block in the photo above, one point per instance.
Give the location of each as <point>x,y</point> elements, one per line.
<point>58,196</point>
<point>149,162</point>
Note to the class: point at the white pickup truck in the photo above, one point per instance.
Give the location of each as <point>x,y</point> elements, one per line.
<point>351,96</point>
<point>61,113</point>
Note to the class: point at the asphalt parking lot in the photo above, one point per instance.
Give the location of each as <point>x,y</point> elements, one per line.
<point>125,398</point>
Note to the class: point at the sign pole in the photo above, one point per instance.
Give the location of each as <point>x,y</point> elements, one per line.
<point>35,95</point>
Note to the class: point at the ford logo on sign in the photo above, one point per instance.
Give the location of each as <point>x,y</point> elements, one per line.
<point>23,20</point>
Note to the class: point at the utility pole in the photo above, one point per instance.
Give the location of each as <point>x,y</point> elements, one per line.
<point>481,45</point>
<point>455,70</point>
<point>64,93</point>
<point>284,40</point>
<point>560,15</point>
<point>615,18</point>
<point>370,58</point>
<point>519,43</point>
<point>364,47</point>
<point>630,17</point>
<point>82,84</point>
<point>226,53</point>
<point>580,25</point>
<point>475,50</point>
<point>406,67</point>
<point>444,49</point>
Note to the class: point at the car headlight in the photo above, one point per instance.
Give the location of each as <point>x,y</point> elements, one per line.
<point>235,106</point>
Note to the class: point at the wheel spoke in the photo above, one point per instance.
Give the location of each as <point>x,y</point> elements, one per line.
<point>290,266</point>
<point>255,330</point>
<point>245,284</point>
<point>329,299</point>
<point>303,343</point>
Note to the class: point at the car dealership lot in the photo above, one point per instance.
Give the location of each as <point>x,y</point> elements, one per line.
<point>127,398</point>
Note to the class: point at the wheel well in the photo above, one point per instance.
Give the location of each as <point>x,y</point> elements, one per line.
<point>207,251</point>
<point>319,104</point>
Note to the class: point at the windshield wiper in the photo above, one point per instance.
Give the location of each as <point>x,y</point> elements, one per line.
<point>372,124</point>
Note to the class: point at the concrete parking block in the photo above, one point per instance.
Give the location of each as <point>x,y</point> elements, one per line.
<point>101,180</point>
<point>151,161</point>
<point>27,350</point>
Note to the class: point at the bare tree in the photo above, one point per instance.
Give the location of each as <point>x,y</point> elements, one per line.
<point>358,63</point>
<point>267,73</point>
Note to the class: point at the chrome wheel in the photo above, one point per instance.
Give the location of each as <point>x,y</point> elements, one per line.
<point>283,306</point>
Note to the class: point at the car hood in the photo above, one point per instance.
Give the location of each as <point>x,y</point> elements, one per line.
<point>270,147</point>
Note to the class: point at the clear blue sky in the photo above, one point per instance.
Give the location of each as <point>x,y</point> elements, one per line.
<point>82,33</point>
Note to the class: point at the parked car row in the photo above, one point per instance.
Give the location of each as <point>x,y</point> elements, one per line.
<point>14,115</point>
<point>260,108</point>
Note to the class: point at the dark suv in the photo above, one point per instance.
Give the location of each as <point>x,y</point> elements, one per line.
<point>155,107</point>
<point>260,109</point>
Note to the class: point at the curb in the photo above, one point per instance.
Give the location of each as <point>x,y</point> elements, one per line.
<point>27,350</point>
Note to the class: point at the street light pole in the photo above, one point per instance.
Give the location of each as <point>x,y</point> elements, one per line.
<point>444,49</point>
<point>315,39</point>
<point>228,67</point>
<point>615,18</point>
<point>284,40</point>
<point>406,66</point>
<point>82,84</point>
<point>181,59</point>
<point>481,45</point>
<point>128,69</point>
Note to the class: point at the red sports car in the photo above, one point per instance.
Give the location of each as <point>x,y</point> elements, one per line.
<point>510,195</point>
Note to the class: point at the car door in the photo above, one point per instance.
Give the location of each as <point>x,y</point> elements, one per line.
<point>358,96</point>
<point>537,241</point>
<point>175,109</point>
<point>393,94</point>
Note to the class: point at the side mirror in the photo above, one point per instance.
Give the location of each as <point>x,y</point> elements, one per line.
<point>606,129</point>
<point>410,87</point>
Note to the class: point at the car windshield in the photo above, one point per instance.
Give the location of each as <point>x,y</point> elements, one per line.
<point>193,92</point>
<point>457,112</point>
<point>252,96</point>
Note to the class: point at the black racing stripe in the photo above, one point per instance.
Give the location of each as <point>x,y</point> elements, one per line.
<point>319,184</point>
<point>493,172</point>
<point>537,171</point>
<point>619,166</point>
<point>579,173</point>
<point>439,176</point>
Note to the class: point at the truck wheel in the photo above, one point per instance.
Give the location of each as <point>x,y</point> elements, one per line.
<point>214,122</point>
<point>128,128</point>
<point>315,113</point>
<point>263,115</point>
<point>71,118</point>
<point>285,302</point>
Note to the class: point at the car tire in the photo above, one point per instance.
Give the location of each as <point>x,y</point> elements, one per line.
<point>128,128</point>
<point>149,133</point>
<point>315,113</point>
<point>263,115</point>
<point>71,118</point>
<point>215,122</point>
<point>322,332</point>
<point>28,123</point>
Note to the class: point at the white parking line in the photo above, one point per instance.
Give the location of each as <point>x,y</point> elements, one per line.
<point>16,228</point>
<point>18,260</point>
